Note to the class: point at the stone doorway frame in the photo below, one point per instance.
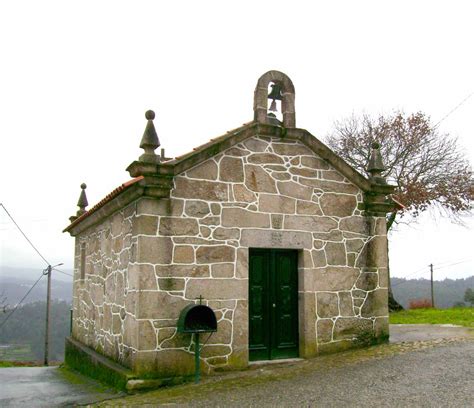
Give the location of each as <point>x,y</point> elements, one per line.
<point>303,243</point>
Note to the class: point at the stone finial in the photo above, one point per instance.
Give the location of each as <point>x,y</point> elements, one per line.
<point>375,166</point>
<point>150,140</point>
<point>82,203</point>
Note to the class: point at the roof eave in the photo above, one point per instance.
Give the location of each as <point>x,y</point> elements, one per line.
<point>113,202</point>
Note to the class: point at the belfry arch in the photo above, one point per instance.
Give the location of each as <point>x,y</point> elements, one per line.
<point>287,93</point>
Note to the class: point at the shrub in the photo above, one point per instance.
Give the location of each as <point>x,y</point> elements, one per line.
<point>469,296</point>
<point>419,304</point>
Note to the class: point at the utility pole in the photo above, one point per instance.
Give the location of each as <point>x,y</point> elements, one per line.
<point>432,291</point>
<point>48,271</point>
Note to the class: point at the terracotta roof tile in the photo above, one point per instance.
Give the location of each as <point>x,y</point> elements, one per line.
<point>105,200</point>
<point>398,204</point>
<point>212,141</point>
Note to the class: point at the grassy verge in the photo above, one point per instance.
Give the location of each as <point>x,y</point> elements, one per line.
<point>6,364</point>
<point>462,316</point>
<point>17,352</point>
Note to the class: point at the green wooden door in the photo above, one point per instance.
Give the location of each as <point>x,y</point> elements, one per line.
<point>273,304</point>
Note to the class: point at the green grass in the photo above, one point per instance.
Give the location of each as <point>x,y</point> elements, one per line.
<point>7,364</point>
<point>17,352</point>
<point>462,316</point>
<point>4,364</point>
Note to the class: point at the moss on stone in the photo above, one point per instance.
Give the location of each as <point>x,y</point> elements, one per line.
<point>367,338</point>
<point>93,365</point>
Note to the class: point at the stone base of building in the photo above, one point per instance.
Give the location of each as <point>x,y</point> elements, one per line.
<point>92,364</point>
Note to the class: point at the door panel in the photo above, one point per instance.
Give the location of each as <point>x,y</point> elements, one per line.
<point>286,318</point>
<point>273,304</point>
<point>258,304</point>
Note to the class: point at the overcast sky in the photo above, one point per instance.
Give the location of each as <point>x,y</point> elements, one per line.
<point>77,76</point>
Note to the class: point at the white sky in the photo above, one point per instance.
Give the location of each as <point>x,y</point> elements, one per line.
<point>77,76</point>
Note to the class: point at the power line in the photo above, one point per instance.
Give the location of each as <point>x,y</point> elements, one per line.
<point>450,262</point>
<point>410,274</point>
<point>14,222</point>
<point>414,273</point>
<point>454,109</point>
<point>455,263</point>
<point>436,268</point>
<point>399,283</point>
<point>19,303</point>
<point>64,273</point>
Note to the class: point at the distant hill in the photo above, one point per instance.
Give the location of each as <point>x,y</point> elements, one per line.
<point>446,292</point>
<point>26,327</point>
<point>14,287</point>
<point>33,273</point>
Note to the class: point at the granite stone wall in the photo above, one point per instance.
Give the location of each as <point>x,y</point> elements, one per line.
<point>158,255</point>
<point>102,317</point>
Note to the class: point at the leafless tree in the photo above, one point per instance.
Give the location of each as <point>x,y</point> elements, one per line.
<point>427,167</point>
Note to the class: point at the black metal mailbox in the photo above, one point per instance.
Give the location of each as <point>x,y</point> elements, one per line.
<point>197,319</point>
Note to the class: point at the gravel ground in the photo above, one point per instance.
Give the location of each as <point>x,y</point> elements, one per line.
<point>439,377</point>
<point>423,374</point>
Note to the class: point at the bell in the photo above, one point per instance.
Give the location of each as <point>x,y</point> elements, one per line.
<point>275,94</point>
<point>273,106</point>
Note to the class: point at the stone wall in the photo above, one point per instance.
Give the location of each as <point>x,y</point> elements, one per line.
<point>101,305</point>
<point>264,192</point>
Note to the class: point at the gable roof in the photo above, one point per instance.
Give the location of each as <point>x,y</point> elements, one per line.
<point>136,187</point>
<point>251,129</point>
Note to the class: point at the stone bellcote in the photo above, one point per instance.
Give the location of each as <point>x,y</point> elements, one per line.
<point>260,105</point>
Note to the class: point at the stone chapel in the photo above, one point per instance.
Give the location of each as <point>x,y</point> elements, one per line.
<point>278,235</point>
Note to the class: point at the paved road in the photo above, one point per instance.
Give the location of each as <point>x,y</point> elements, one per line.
<point>440,376</point>
<point>436,376</point>
<point>47,387</point>
<point>424,332</point>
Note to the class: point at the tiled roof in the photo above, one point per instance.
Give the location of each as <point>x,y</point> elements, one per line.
<point>398,204</point>
<point>211,142</point>
<point>105,200</point>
